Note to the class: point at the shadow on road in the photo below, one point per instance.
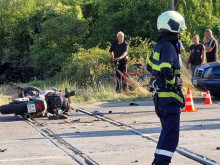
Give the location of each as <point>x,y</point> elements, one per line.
<point>9,118</point>
<point>154,130</point>
<point>127,104</point>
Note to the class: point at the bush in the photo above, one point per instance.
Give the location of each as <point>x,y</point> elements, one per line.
<point>86,66</point>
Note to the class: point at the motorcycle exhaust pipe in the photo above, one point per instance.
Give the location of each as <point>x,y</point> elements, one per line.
<point>27,116</point>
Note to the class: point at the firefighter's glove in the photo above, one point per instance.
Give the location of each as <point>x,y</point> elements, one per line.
<point>152,80</point>
<point>150,85</point>
<point>179,81</point>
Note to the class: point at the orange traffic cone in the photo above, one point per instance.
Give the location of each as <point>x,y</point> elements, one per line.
<point>189,106</point>
<point>208,99</point>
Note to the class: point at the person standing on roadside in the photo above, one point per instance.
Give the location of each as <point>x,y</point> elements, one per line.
<point>119,52</point>
<point>211,46</point>
<point>164,65</point>
<point>196,54</point>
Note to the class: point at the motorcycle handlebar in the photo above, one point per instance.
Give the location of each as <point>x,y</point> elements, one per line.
<point>55,89</point>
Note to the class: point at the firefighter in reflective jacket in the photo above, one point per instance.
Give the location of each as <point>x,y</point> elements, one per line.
<point>168,99</point>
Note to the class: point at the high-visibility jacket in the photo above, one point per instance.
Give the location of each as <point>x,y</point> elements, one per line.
<point>164,66</point>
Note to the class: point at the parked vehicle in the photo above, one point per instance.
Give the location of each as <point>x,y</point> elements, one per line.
<point>32,102</point>
<point>207,77</point>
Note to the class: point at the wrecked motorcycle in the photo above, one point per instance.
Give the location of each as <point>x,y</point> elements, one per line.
<point>32,102</point>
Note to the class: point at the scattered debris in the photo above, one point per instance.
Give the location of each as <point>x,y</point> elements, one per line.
<point>128,112</point>
<point>87,124</point>
<point>59,116</point>
<point>136,161</point>
<point>51,117</point>
<point>70,121</point>
<point>73,121</point>
<point>87,121</point>
<point>78,121</point>
<point>97,112</point>
<point>134,104</point>
<point>97,120</point>
<point>3,150</point>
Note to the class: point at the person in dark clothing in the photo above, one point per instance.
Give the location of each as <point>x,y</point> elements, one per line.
<point>164,65</point>
<point>119,52</point>
<point>196,54</point>
<point>211,46</point>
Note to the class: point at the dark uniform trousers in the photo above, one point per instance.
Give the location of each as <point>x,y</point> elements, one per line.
<point>169,137</point>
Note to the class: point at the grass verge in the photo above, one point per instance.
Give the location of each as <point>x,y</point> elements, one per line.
<point>90,95</point>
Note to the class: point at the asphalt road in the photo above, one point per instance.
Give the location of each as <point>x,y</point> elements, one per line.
<point>107,144</point>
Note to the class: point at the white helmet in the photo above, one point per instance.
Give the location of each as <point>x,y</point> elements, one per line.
<point>171,21</point>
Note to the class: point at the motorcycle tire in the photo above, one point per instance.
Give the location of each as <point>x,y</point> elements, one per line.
<point>18,109</point>
<point>24,91</point>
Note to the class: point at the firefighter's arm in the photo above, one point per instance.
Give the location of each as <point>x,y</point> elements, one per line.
<point>150,63</point>
<point>167,61</point>
<point>170,78</point>
<point>168,74</point>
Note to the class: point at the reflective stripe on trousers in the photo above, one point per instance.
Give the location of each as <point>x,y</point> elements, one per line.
<point>164,152</point>
<point>169,136</point>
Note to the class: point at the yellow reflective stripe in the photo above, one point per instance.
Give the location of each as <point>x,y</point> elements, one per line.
<point>156,56</point>
<point>149,62</point>
<point>171,81</point>
<point>177,71</point>
<point>170,94</point>
<point>156,67</point>
<point>165,65</point>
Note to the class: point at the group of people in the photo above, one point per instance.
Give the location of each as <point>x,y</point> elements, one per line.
<point>164,64</point>
<point>198,51</point>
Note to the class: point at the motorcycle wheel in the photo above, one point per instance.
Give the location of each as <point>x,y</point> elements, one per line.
<point>24,91</point>
<point>18,108</point>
